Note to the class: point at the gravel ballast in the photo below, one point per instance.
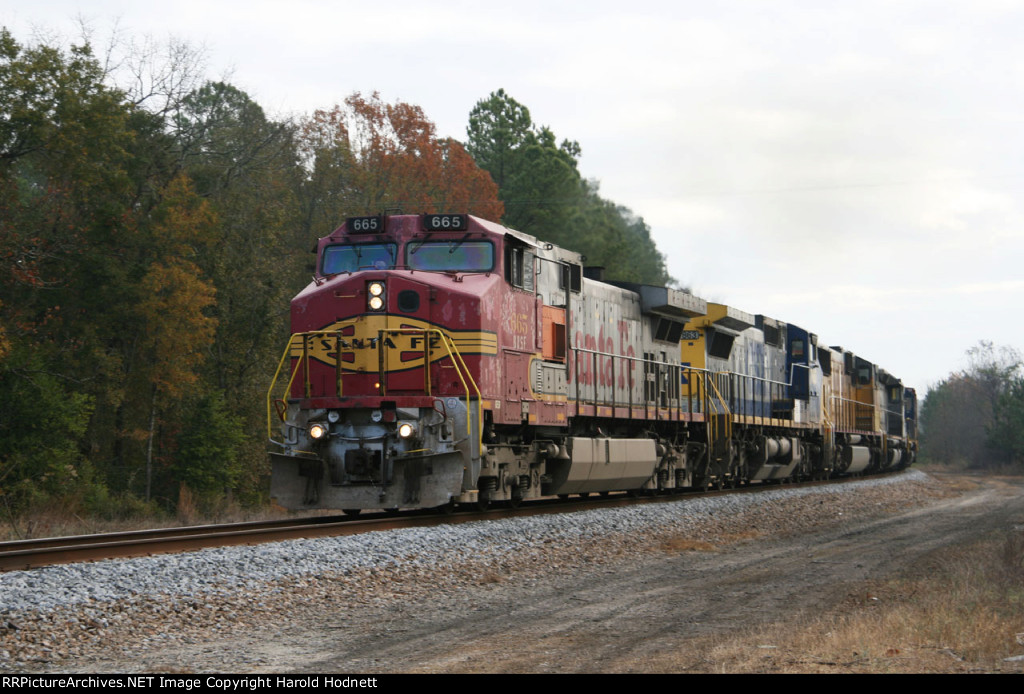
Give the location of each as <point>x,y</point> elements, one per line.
<point>54,618</point>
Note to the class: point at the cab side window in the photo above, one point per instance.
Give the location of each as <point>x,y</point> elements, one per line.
<point>519,266</point>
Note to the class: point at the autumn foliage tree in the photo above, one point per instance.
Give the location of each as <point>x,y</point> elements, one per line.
<point>245,166</point>
<point>175,303</point>
<point>371,156</point>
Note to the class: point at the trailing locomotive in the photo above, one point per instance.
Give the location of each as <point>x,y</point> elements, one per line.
<point>439,359</point>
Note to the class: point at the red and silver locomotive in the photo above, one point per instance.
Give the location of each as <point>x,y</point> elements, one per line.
<point>439,359</point>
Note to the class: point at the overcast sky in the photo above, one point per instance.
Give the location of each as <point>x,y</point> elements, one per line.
<point>855,168</point>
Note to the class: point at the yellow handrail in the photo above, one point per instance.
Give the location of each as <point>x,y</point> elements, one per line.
<point>303,359</point>
<point>298,367</point>
<point>273,382</point>
<point>712,426</point>
<point>461,369</point>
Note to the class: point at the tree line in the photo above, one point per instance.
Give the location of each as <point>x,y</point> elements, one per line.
<point>975,417</point>
<point>153,231</point>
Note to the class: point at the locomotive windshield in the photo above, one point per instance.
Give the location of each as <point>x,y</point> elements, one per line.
<point>354,257</point>
<point>451,255</point>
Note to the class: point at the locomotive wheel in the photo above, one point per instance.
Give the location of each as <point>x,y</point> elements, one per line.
<point>514,501</point>
<point>352,512</point>
<point>483,502</point>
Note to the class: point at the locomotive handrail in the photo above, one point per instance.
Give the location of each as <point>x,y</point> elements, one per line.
<point>756,378</point>
<point>718,400</point>
<point>712,422</point>
<point>825,410</point>
<point>845,410</point>
<point>851,400</point>
<point>809,367</point>
<point>828,429</point>
<point>703,374</point>
<point>303,362</point>
<point>708,377</point>
<point>273,382</point>
<point>771,381</point>
<point>461,369</point>
<point>732,378</point>
<point>873,408</point>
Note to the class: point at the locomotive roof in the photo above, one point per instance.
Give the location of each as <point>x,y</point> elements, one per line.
<point>557,252</point>
<point>543,248</point>
<point>665,300</point>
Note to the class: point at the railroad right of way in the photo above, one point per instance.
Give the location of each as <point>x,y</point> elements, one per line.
<point>123,614</point>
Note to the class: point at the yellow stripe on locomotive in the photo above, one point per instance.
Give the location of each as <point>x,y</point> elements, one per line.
<point>358,340</point>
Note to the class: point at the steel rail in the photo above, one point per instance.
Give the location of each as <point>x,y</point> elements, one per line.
<point>20,555</point>
<point>28,554</point>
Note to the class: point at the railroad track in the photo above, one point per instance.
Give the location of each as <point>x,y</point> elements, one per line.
<point>30,554</point>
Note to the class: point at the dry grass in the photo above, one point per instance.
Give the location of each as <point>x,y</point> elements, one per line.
<point>61,522</point>
<point>682,543</point>
<point>685,544</point>
<point>959,483</point>
<point>490,577</point>
<point>742,536</point>
<point>58,521</point>
<point>960,611</point>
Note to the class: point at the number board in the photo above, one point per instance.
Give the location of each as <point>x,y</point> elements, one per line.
<point>365,225</point>
<point>445,222</point>
<point>690,335</point>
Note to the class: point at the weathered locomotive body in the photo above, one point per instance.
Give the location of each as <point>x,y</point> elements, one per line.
<point>441,359</point>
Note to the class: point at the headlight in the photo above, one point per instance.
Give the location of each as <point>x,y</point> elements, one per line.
<point>375,291</point>
<point>317,431</point>
<point>405,430</point>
